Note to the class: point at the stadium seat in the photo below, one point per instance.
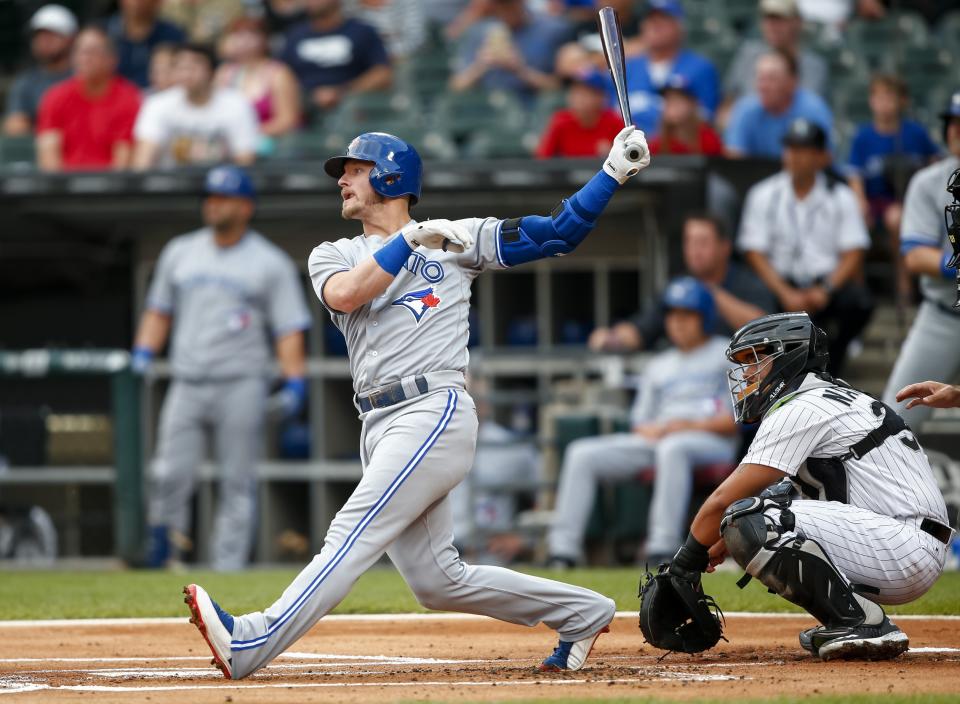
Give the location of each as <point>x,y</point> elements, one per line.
<point>878,40</point>
<point>425,75</point>
<point>548,102</point>
<point>17,151</point>
<point>948,29</point>
<point>464,114</point>
<point>501,144</point>
<point>375,111</point>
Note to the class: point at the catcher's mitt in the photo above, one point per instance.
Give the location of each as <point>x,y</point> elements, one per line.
<point>676,615</point>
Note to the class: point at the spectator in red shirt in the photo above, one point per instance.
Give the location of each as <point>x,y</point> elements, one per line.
<point>586,127</point>
<point>86,122</point>
<point>682,129</point>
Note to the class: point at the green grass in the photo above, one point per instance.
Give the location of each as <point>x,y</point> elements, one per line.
<point>41,595</point>
<point>819,699</point>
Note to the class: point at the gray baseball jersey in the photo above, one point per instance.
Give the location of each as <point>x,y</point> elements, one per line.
<point>932,348</point>
<point>419,324</point>
<point>923,222</point>
<point>678,384</point>
<point>413,453</point>
<point>225,303</point>
<point>865,513</point>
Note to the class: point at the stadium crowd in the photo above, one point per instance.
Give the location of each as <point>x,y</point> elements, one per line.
<point>812,84</point>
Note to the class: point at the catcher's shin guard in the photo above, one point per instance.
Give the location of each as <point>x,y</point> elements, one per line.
<point>793,566</point>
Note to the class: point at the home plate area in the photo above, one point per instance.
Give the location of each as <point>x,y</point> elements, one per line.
<point>450,659</point>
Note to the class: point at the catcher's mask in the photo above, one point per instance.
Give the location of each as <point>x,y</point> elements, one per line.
<point>772,354</point>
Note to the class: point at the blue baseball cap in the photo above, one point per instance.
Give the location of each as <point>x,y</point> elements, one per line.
<point>952,108</point>
<point>686,293</point>
<point>228,180</point>
<point>592,78</point>
<point>679,83</point>
<point>674,8</point>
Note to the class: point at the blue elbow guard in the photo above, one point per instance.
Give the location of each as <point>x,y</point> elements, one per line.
<point>536,237</point>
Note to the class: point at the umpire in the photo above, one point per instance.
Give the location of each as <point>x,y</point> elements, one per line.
<point>226,291</point>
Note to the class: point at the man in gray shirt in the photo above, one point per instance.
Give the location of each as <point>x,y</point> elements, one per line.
<point>52,28</point>
<point>780,24</point>
<point>226,291</point>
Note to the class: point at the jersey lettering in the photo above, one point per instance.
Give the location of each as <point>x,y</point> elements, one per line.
<point>418,264</point>
<point>841,395</point>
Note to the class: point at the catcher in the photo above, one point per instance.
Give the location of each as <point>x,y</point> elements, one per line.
<point>851,517</point>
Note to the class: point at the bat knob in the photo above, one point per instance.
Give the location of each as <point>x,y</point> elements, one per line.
<point>634,155</point>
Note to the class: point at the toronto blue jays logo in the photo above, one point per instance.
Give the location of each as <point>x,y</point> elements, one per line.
<point>418,302</point>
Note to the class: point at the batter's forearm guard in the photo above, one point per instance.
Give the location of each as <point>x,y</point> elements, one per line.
<point>535,237</point>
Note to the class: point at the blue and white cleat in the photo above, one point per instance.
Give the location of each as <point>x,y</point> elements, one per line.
<point>214,624</point>
<point>570,655</point>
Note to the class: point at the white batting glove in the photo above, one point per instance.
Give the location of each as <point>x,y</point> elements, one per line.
<point>628,155</point>
<point>447,235</point>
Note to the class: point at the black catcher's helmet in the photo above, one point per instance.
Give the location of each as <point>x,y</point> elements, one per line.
<point>772,354</point>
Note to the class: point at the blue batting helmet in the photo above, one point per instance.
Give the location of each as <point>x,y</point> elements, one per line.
<point>229,181</point>
<point>688,293</point>
<point>951,111</point>
<point>397,169</point>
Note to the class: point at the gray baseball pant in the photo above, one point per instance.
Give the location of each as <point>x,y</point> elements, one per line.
<point>233,412</point>
<point>931,351</point>
<point>621,456</point>
<point>413,454</point>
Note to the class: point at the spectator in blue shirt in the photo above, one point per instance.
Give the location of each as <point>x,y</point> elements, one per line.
<point>514,51</point>
<point>883,157</point>
<point>333,56</point>
<point>759,121</point>
<point>135,31</point>
<point>665,57</point>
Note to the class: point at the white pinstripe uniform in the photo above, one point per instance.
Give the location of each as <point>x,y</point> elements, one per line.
<point>865,513</point>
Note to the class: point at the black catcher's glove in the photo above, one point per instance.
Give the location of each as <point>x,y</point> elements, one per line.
<point>675,614</point>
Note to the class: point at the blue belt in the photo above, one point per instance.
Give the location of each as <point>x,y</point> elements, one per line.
<point>390,395</point>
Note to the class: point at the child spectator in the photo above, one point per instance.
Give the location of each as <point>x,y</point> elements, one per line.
<point>883,156</point>
<point>682,130</point>
<point>268,84</point>
<point>333,56</point>
<point>86,122</point>
<point>587,126</point>
<point>136,30</point>
<point>52,30</point>
<point>193,122</point>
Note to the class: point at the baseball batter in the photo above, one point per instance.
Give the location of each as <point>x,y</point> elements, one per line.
<point>400,294</point>
<point>226,291</point>
<point>932,348</point>
<point>860,521</point>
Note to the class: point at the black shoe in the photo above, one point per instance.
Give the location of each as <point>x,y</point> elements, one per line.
<point>882,642</point>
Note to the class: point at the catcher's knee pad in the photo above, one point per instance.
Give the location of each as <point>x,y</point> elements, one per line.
<point>747,530</point>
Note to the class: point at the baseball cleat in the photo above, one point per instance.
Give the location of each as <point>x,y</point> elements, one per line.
<point>570,655</point>
<point>881,642</point>
<point>214,624</point>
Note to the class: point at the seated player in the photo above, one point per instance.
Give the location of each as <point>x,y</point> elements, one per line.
<point>680,419</point>
<point>857,519</point>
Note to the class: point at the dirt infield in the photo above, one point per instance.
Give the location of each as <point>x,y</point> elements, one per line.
<point>389,659</point>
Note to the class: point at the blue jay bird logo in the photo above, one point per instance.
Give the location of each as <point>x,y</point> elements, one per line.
<point>418,302</point>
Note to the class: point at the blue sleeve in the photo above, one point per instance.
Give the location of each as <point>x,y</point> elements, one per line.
<point>858,150</point>
<point>535,237</point>
<point>927,146</point>
<point>17,97</point>
<point>707,84</point>
<point>738,127</point>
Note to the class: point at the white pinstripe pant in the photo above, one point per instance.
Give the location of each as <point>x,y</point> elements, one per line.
<point>890,555</point>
